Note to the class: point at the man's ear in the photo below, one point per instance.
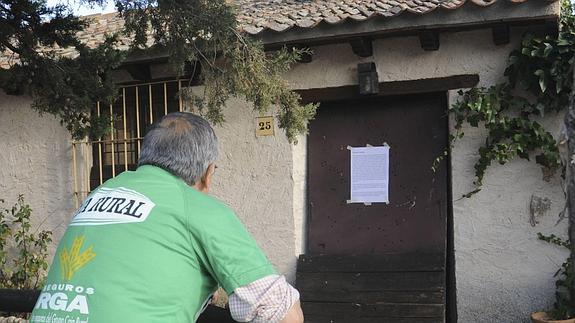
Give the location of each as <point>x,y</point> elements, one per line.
<point>206,180</point>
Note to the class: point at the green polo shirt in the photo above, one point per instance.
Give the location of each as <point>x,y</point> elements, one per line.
<point>146,247</point>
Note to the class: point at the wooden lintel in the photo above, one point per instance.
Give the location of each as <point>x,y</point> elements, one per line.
<point>428,85</point>
<point>139,72</point>
<point>429,39</point>
<point>501,34</point>
<point>362,46</point>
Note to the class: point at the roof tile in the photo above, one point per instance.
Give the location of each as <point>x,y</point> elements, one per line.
<point>330,10</point>
<point>256,16</point>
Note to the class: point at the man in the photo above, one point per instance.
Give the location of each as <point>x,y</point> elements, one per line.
<point>151,246</point>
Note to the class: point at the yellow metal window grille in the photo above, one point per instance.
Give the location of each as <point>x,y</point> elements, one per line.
<point>95,161</point>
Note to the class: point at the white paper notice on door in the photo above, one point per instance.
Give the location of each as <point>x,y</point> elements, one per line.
<point>369,174</point>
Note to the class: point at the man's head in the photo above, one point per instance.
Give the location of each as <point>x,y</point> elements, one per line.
<point>185,145</point>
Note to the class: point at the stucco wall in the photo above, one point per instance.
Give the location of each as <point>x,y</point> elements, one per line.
<point>503,271</point>
<point>254,178</point>
<point>35,160</point>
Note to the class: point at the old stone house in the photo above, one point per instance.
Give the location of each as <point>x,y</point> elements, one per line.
<point>427,255</point>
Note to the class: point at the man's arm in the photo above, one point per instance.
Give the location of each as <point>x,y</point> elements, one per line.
<point>267,300</point>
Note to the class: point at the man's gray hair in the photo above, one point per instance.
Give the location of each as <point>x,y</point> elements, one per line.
<point>181,143</point>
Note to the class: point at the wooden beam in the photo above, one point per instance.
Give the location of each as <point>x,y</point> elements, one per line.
<point>379,296</point>
<point>428,85</point>
<point>313,318</point>
<point>154,54</point>
<point>387,312</point>
<point>400,262</point>
<point>500,34</point>
<point>429,40</point>
<point>362,46</point>
<point>432,281</point>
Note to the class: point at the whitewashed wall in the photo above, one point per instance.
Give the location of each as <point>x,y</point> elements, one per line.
<point>503,271</point>
<point>254,178</point>
<point>35,160</point>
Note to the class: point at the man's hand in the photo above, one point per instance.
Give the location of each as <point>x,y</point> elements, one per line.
<point>294,314</point>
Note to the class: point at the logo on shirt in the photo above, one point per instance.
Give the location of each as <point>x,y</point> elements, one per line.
<point>71,260</point>
<point>65,302</point>
<point>113,206</point>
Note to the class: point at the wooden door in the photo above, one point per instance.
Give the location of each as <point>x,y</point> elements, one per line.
<point>379,262</point>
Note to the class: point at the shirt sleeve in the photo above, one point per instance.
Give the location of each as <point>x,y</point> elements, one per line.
<point>266,300</point>
<point>226,249</point>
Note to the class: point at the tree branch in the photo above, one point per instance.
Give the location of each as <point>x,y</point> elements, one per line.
<point>11,47</point>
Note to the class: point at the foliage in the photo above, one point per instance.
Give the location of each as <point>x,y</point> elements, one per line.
<point>23,253</point>
<point>64,87</point>
<point>28,252</point>
<point>202,34</point>
<point>538,82</point>
<point>562,308</point>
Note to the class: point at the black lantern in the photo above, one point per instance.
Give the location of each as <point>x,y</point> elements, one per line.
<point>367,77</point>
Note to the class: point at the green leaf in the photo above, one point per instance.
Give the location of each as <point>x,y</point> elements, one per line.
<point>563,42</point>
<point>559,85</point>
<point>542,80</point>
<point>527,38</point>
<point>547,50</point>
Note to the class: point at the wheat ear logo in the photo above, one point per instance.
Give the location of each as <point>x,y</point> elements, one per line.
<point>72,260</point>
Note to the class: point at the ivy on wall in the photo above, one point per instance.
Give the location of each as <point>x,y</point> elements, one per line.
<point>538,81</point>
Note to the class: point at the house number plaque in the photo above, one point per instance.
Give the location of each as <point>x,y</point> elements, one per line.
<point>264,126</point>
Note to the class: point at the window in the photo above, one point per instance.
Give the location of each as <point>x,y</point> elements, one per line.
<point>137,107</point>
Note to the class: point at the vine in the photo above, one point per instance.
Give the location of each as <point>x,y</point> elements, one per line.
<point>562,308</point>
<point>538,82</point>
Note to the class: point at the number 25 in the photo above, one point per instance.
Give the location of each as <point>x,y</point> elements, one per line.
<point>265,125</point>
